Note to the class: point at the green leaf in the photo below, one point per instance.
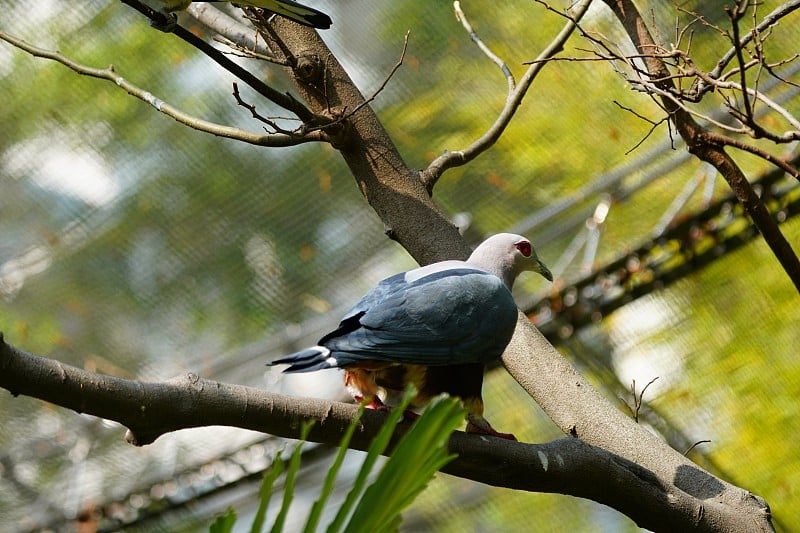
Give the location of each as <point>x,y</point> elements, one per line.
<point>375,450</point>
<point>330,478</point>
<point>291,476</point>
<point>414,462</point>
<point>265,492</point>
<point>223,523</point>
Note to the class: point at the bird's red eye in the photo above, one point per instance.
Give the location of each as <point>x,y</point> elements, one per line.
<point>524,248</point>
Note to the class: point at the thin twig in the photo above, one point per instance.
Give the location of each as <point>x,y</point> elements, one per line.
<point>256,115</point>
<point>693,446</point>
<point>638,401</point>
<point>482,46</point>
<point>383,85</point>
<point>653,125</point>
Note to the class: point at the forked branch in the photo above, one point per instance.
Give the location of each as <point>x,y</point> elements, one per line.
<point>516,92</point>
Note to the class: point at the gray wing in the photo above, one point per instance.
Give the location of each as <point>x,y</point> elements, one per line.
<point>454,316</point>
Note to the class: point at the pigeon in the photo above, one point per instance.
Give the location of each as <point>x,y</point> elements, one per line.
<point>435,327</point>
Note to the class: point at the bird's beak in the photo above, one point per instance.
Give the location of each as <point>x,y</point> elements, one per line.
<point>544,271</point>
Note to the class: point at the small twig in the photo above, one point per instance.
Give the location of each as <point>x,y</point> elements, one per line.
<point>240,51</point>
<point>383,85</point>
<point>735,15</point>
<point>653,126</point>
<point>256,115</point>
<point>638,400</point>
<point>693,446</point>
<point>482,46</point>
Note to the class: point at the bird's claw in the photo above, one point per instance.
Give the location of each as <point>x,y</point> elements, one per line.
<point>374,403</point>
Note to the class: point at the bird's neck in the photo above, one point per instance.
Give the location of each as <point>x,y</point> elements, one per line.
<point>501,269</point>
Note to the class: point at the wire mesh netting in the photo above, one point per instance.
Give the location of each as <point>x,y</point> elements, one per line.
<point>134,246</point>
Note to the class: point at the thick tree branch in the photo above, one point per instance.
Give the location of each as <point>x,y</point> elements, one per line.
<point>567,466</point>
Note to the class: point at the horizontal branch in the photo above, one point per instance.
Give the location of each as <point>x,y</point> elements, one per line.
<point>109,74</point>
<point>567,466</point>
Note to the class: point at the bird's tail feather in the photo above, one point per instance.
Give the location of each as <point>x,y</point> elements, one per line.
<point>308,360</point>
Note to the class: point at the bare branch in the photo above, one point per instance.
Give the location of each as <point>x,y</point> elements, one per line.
<point>700,142</point>
<point>109,74</point>
<point>482,46</point>
<point>451,159</point>
<point>767,22</point>
<point>695,445</point>
<point>653,126</point>
<point>284,100</point>
<point>255,114</point>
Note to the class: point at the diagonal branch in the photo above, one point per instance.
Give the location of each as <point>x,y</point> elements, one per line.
<point>516,93</point>
<point>700,142</point>
<point>567,466</point>
<point>284,100</point>
<point>109,74</point>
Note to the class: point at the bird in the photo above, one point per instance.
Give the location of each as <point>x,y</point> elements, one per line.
<point>435,327</point>
<point>287,8</point>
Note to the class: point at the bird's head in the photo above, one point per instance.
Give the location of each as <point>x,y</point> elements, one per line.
<point>507,255</point>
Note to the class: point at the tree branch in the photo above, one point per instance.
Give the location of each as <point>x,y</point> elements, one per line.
<point>567,466</point>
<point>700,142</point>
<point>284,100</point>
<point>516,93</point>
<point>109,74</point>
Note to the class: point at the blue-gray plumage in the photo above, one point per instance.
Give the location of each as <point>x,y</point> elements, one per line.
<point>434,326</point>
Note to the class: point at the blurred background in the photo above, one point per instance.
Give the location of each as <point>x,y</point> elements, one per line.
<point>134,246</point>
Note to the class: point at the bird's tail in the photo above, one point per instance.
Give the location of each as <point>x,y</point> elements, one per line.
<point>294,11</point>
<point>308,360</point>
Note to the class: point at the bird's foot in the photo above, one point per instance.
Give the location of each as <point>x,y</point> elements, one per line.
<point>374,403</point>
<point>377,404</point>
<point>486,429</point>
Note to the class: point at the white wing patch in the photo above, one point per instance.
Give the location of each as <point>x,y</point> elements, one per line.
<point>418,273</point>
